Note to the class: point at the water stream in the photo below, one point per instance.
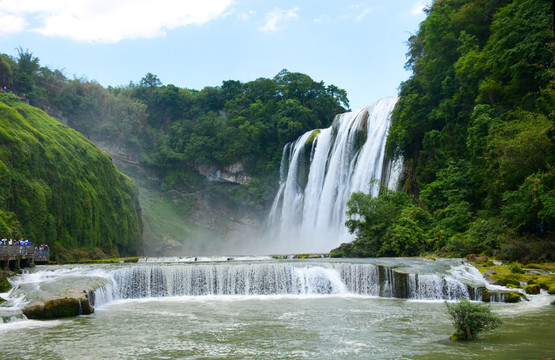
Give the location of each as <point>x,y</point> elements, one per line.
<point>259,308</point>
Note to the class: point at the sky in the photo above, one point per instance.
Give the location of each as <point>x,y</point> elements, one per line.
<point>359,46</point>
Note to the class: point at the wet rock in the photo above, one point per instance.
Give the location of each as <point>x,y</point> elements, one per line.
<point>77,303</point>
<point>533,289</point>
<point>503,296</point>
<point>487,276</point>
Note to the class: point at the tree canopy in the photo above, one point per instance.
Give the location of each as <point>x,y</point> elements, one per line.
<point>475,125</point>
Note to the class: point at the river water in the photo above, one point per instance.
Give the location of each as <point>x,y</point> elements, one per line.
<point>322,317</point>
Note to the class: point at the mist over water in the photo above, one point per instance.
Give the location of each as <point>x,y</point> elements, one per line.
<point>320,171</point>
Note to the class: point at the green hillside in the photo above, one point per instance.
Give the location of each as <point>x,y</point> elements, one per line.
<point>475,124</point>
<point>58,188</point>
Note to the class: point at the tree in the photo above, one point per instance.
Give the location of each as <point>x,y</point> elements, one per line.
<point>27,67</point>
<point>6,73</point>
<point>471,319</point>
<point>150,81</point>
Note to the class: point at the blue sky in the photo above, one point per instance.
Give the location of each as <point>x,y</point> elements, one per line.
<point>359,46</point>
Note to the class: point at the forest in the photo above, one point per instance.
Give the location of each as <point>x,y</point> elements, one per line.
<point>475,124</point>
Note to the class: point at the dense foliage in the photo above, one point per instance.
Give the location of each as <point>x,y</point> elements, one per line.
<point>471,319</point>
<point>57,188</point>
<point>177,127</point>
<point>475,125</point>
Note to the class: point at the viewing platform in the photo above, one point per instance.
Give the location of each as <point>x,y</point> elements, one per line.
<point>18,256</point>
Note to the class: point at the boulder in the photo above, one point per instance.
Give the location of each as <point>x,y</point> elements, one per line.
<point>502,296</point>
<point>75,304</point>
<point>533,289</point>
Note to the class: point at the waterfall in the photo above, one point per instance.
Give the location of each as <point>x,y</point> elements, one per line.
<point>287,278</point>
<point>320,171</point>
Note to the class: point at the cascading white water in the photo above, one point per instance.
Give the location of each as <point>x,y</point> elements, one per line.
<point>320,171</point>
<point>277,279</point>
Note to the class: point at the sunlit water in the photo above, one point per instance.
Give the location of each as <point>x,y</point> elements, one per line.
<point>338,326</point>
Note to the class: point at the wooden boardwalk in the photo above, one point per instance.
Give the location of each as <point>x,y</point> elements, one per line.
<point>18,256</point>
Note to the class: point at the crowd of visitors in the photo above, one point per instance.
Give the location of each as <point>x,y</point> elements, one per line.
<point>21,242</point>
<point>5,241</point>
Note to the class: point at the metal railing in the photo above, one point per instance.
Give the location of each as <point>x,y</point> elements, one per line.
<point>23,250</point>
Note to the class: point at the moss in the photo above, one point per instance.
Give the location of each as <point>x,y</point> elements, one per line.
<point>515,268</point>
<point>533,289</point>
<point>2,300</point>
<point>546,282</point>
<point>311,138</point>
<point>60,189</point>
<point>508,296</point>
<point>506,281</point>
<point>132,259</point>
<point>514,297</point>
<point>59,308</point>
<point>5,285</point>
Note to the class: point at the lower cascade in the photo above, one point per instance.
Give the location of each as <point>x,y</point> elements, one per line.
<point>320,171</point>
<point>278,279</point>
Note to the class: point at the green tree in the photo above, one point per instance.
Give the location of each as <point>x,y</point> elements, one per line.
<point>471,319</point>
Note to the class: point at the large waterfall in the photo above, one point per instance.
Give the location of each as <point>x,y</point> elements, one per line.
<point>320,171</point>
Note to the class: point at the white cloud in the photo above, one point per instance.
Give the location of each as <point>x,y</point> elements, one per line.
<point>110,21</point>
<point>355,12</point>
<point>11,24</point>
<point>363,14</point>
<point>418,8</point>
<point>322,19</point>
<point>245,15</point>
<point>276,17</point>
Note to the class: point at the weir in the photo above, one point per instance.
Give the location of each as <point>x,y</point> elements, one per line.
<point>320,171</point>
<point>287,278</point>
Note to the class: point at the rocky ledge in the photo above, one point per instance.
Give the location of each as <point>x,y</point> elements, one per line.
<point>73,302</point>
<point>502,296</point>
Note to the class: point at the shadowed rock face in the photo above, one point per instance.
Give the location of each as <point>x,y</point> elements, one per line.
<point>232,173</point>
<point>75,302</point>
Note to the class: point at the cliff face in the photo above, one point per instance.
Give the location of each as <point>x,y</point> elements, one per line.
<point>58,188</point>
<point>232,173</point>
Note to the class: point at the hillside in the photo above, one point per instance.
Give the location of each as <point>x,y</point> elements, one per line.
<point>475,124</point>
<point>58,188</point>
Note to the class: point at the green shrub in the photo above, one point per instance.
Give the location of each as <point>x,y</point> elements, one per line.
<point>516,268</point>
<point>470,319</point>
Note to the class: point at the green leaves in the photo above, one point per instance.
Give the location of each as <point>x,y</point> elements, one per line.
<point>471,319</point>
<point>474,123</point>
<point>388,225</point>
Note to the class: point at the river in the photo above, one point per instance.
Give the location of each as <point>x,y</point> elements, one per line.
<point>322,312</point>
